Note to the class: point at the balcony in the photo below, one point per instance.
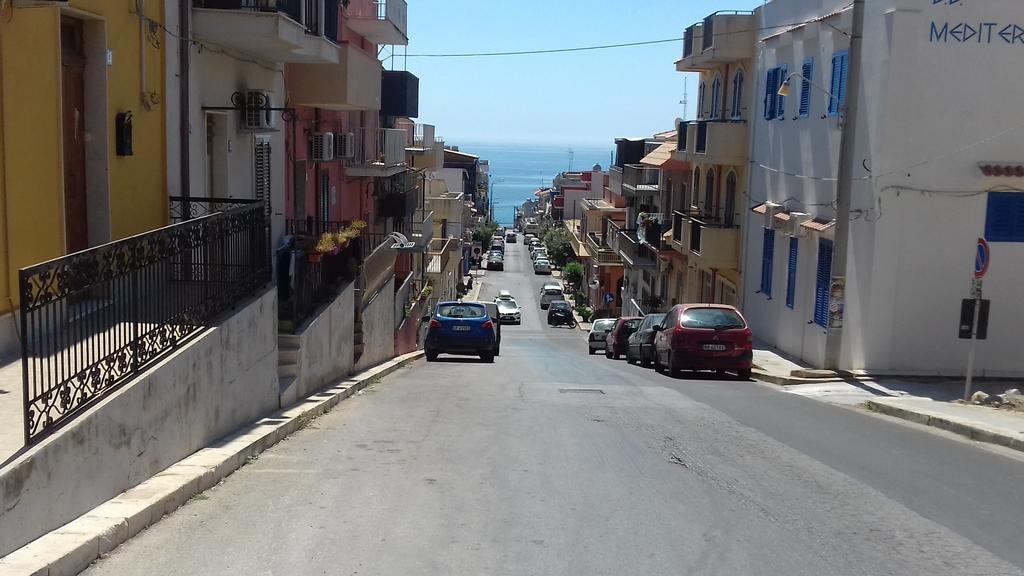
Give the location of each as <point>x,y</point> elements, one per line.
<point>398,196</point>
<point>715,142</point>
<point>713,243</point>
<point>422,228</point>
<point>400,94</point>
<point>286,31</point>
<point>725,37</point>
<point>354,83</point>
<point>615,180</point>
<point>600,253</point>
<point>380,153</point>
<point>381,22</point>
<point>640,179</point>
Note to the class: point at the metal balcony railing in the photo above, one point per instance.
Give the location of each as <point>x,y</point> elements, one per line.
<point>681,134</point>
<point>183,208</point>
<point>688,42</point>
<point>709,32</point>
<point>383,147</point>
<point>394,12</point>
<point>640,178</point>
<point>702,138</point>
<point>95,319</point>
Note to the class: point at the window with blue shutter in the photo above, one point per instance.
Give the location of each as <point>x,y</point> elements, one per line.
<point>767,258</point>
<point>805,87</point>
<point>700,101</point>
<point>770,89</point>
<point>840,69</point>
<point>823,283</point>
<point>791,273</point>
<point>1004,217</point>
<point>780,108</point>
<point>737,94</point>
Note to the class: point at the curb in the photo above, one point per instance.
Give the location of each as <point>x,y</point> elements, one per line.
<point>71,548</point>
<point>957,427</point>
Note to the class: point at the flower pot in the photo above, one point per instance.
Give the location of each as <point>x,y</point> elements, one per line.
<point>314,257</point>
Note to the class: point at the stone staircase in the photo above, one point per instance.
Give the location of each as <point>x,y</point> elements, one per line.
<point>288,352</point>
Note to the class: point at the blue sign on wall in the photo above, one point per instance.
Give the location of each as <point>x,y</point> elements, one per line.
<point>1004,217</point>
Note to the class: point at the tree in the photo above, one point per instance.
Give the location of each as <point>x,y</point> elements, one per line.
<point>559,248</point>
<point>573,275</point>
<point>483,234</point>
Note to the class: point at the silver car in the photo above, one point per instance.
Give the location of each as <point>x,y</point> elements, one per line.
<point>542,266</point>
<point>599,333</point>
<point>509,311</point>
<point>549,293</point>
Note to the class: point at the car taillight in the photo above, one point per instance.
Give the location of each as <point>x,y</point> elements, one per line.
<point>748,343</point>
<point>488,325</point>
<point>435,323</point>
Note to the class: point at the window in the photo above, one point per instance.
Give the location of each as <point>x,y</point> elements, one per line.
<point>696,189</point>
<point>323,192</point>
<point>716,95</point>
<point>767,256</point>
<point>1004,217</point>
<point>729,217</point>
<point>775,105</point>
<point>709,194</point>
<point>824,279</point>
<point>791,273</point>
<point>700,101</point>
<point>807,71</point>
<point>840,68</point>
<point>737,94</point>
<point>718,318</point>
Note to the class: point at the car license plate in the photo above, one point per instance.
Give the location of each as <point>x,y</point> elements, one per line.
<point>460,328</point>
<point>714,347</point>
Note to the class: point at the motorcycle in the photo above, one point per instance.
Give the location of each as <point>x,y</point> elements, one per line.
<point>561,317</point>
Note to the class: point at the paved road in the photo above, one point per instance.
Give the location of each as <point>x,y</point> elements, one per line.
<point>551,461</point>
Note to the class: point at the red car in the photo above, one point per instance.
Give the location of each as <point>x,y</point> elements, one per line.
<point>618,337</point>
<point>704,337</point>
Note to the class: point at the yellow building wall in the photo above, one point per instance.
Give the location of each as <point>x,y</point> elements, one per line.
<point>30,117</point>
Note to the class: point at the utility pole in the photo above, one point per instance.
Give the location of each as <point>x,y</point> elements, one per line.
<point>844,188</point>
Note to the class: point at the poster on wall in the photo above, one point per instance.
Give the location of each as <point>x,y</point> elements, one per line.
<point>836,302</point>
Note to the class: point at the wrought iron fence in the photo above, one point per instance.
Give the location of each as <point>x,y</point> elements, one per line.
<point>94,319</point>
<point>314,227</point>
<point>315,283</point>
<point>187,208</point>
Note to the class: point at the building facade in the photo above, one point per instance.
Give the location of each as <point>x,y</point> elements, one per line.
<point>934,170</point>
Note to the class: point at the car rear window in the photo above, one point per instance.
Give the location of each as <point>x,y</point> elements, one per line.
<point>603,325</point>
<point>722,318</point>
<point>552,292</point>
<point>560,306</point>
<point>461,311</point>
<point>632,325</point>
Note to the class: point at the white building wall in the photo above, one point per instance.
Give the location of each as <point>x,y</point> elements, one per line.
<point>930,113</point>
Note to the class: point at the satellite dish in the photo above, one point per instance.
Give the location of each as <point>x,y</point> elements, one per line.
<point>596,168</point>
<point>401,242</point>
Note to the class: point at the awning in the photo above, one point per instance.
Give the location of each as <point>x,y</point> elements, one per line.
<point>818,224</point>
<point>659,155</point>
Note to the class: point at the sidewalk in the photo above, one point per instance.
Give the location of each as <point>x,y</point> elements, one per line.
<point>980,423</point>
<point>12,433</point>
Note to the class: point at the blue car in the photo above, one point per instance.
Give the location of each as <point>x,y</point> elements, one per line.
<point>460,328</point>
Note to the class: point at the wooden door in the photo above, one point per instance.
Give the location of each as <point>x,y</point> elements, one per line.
<point>73,103</point>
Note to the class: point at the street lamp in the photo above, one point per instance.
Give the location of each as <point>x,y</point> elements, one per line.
<point>490,197</point>
<point>784,88</point>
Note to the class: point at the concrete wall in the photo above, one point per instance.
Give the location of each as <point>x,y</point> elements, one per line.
<point>379,328</point>
<point>325,348</point>
<point>222,380</point>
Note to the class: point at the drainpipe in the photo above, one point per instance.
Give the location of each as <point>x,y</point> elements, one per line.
<point>184,71</point>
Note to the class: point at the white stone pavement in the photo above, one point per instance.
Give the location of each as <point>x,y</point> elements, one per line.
<point>12,435</point>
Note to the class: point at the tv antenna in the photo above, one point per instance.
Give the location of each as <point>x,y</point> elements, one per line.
<point>684,100</point>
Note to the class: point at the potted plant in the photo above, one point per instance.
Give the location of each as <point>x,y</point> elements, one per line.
<point>326,245</point>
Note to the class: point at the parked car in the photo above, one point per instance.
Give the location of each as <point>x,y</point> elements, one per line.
<point>498,246</point>
<point>511,238</point>
<point>542,266</point>
<point>560,314</point>
<point>704,337</point>
<point>640,346</point>
<point>463,328</point>
<point>549,293</point>
<point>596,340</point>
<point>509,311</point>
<point>495,262</point>
<point>492,311</point>
<point>618,336</point>
<point>538,254</point>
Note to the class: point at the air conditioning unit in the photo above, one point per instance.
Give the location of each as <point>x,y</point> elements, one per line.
<point>345,146</point>
<point>40,3</point>
<point>257,114</point>
<point>794,227</point>
<point>323,147</point>
<point>770,210</point>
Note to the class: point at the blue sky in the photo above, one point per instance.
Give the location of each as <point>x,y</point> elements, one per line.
<point>574,98</point>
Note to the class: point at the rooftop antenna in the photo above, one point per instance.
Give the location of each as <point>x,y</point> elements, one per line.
<point>684,100</point>
<point>571,154</point>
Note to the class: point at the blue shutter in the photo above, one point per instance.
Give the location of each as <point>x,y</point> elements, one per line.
<point>737,94</point>
<point>824,280</point>
<point>770,88</point>
<point>716,93</point>
<point>767,258</point>
<point>780,110</point>
<point>1004,217</point>
<point>843,77</point>
<point>805,87</point>
<point>837,69</point>
<point>700,101</point>
<point>791,273</point>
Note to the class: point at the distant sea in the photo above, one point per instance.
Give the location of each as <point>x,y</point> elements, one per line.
<point>518,170</point>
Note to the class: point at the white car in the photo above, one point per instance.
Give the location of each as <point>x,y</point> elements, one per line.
<point>599,334</point>
<point>503,295</point>
<point>509,311</point>
<point>539,254</point>
<point>549,293</point>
